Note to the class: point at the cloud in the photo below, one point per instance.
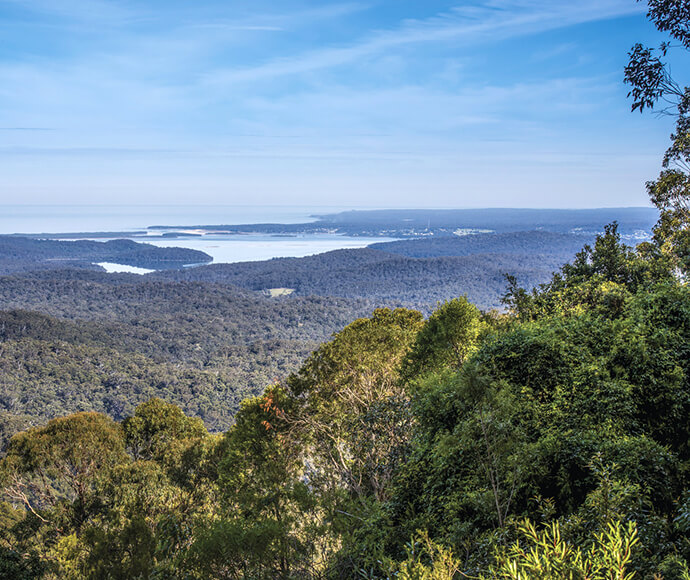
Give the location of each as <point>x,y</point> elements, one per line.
<point>469,113</point>
<point>281,21</point>
<point>554,51</point>
<point>238,26</point>
<point>413,124</point>
<point>490,22</point>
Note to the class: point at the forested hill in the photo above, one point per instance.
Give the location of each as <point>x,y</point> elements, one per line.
<point>168,320</point>
<point>535,243</point>
<point>499,220</point>
<point>417,273</point>
<point>22,254</point>
<point>79,340</point>
<point>434,266</point>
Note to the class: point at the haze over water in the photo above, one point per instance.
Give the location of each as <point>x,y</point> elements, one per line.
<point>35,219</point>
<point>38,219</point>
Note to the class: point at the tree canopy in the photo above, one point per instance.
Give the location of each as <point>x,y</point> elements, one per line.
<point>653,86</point>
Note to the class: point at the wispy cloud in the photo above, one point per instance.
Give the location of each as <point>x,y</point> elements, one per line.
<point>286,20</point>
<point>238,26</point>
<point>554,51</point>
<point>493,21</point>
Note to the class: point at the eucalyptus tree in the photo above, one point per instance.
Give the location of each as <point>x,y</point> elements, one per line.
<point>653,87</point>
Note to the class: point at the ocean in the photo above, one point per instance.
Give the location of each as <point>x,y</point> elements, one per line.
<point>61,218</point>
<point>224,249</point>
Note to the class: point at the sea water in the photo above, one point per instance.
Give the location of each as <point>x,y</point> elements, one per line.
<point>63,218</point>
<point>223,248</point>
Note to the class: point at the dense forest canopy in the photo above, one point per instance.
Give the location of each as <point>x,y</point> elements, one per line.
<point>416,273</point>
<point>89,341</point>
<point>550,441</point>
<point>22,254</point>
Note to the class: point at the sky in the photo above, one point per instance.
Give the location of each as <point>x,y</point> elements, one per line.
<point>372,103</point>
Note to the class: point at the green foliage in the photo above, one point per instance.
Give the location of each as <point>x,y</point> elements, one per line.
<point>62,461</point>
<point>545,555</point>
<point>453,426</point>
<point>447,338</point>
<point>266,503</point>
<point>599,280</point>
<point>651,82</point>
<point>161,432</point>
<point>575,413</point>
<point>91,510</point>
<point>350,405</point>
<point>123,539</point>
<point>426,560</point>
<point>237,549</point>
<point>16,566</point>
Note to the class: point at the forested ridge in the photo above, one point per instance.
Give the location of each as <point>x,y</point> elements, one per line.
<point>398,276</point>
<point>22,254</point>
<point>522,243</point>
<point>416,273</point>
<point>89,341</point>
<point>83,340</point>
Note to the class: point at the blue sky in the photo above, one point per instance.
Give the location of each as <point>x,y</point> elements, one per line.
<point>378,103</point>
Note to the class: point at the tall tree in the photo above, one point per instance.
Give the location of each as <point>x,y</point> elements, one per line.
<point>62,461</point>
<point>446,340</point>
<point>652,86</point>
<point>352,402</point>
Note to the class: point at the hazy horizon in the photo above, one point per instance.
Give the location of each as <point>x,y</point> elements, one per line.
<point>34,219</point>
